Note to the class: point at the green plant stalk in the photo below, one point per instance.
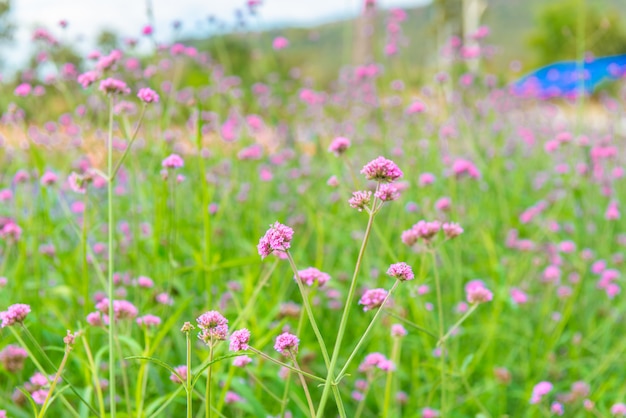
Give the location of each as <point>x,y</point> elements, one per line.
<point>113,173</point>
<point>258,381</point>
<point>111,252</point>
<point>309,311</point>
<point>285,400</point>
<point>125,383</point>
<point>457,324</point>
<point>367,331</point>
<point>280,363</point>
<point>442,361</point>
<point>330,378</point>
<point>188,378</point>
<point>208,383</point>
<point>225,388</point>
<point>44,407</point>
<point>307,394</point>
<point>395,358</point>
<point>411,324</point>
<point>96,381</point>
<point>255,294</point>
<point>85,265</point>
<point>361,406</point>
<point>140,390</point>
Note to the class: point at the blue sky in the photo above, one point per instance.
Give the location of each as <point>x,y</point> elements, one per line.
<point>87,17</point>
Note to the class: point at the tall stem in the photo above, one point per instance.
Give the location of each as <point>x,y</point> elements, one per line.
<point>304,386</point>
<point>330,378</point>
<point>188,380</point>
<point>395,357</point>
<point>111,252</point>
<point>44,407</point>
<point>309,311</point>
<point>442,360</point>
<point>207,401</point>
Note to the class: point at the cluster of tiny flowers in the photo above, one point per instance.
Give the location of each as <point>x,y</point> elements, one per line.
<point>122,309</point>
<point>451,229</point>
<point>382,170</point>
<point>113,86</point>
<point>422,230</point>
<point>539,391</point>
<point>401,271</point>
<point>239,340</point>
<point>148,95</point>
<point>70,338</point>
<point>12,358</point>
<point>14,314</point>
<point>360,200</point>
<point>214,327</point>
<point>477,292</point>
<point>277,238</point>
<point>311,275</point>
<point>339,145</point>
<point>286,343</point>
<point>397,330</point>
<point>173,161</point>
<point>149,321</point>
<point>387,192</point>
<point>373,298</point>
<point>376,361</point>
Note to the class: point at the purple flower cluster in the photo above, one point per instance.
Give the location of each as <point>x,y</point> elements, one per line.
<point>214,327</point>
<point>373,298</point>
<point>382,170</point>
<point>277,238</point>
<point>14,314</point>
<point>239,340</point>
<point>311,275</point>
<point>360,200</point>
<point>339,145</point>
<point>286,344</point>
<point>12,358</point>
<point>148,95</point>
<point>114,86</point>
<point>376,361</point>
<point>401,271</point>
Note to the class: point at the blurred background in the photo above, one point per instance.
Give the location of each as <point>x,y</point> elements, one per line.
<point>323,35</point>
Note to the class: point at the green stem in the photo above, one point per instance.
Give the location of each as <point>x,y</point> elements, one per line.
<point>458,323</point>
<point>208,383</point>
<point>280,363</point>
<point>330,378</point>
<point>111,252</point>
<point>411,324</point>
<point>309,311</point>
<point>304,386</point>
<point>395,357</point>
<point>96,380</point>
<point>188,380</point>
<point>367,331</point>
<point>44,407</point>
<point>442,361</point>
<point>113,173</point>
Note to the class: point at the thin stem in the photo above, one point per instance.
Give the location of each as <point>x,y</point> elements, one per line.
<point>309,311</point>
<point>111,252</point>
<point>367,331</point>
<point>113,173</point>
<point>442,361</point>
<point>280,363</point>
<point>395,357</point>
<point>188,380</point>
<point>44,407</point>
<point>96,381</point>
<point>458,323</point>
<point>411,324</point>
<point>208,383</point>
<point>304,385</point>
<point>330,378</point>
<point>361,406</point>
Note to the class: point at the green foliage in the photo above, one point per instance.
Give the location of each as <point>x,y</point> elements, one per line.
<point>556,38</point>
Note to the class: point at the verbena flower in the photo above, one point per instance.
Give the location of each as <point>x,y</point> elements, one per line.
<point>382,170</point>
<point>14,314</point>
<point>239,340</point>
<point>401,271</point>
<point>114,86</point>
<point>147,95</point>
<point>277,238</point>
<point>372,298</point>
<point>360,200</point>
<point>286,343</point>
<point>339,145</point>
<point>311,275</point>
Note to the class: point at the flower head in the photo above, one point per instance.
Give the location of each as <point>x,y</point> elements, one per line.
<point>239,340</point>
<point>148,95</point>
<point>373,298</point>
<point>388,192</point>
<point>478,294</point>
<point>540,390</point>
<point>214,327</point>
<point>173,161</point>
<point>360,200</point>
<point>277,238</point>
<point>114,86</point>
<point>451,230</point>
<point>15,313</point>
<point>181,372</point>
<point>286,343</point>
<point>12,358</point>
<point>311,275</point>
<point>382,170</point>
<point>339,145</point>
<point>401,271</point>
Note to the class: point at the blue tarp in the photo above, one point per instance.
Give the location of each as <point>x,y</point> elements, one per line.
<point>562,79</point>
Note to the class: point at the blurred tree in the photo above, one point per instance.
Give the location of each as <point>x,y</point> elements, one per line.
<point>107,40</point>
<point>555,35</point>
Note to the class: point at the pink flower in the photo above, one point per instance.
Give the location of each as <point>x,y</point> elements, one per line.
<point>382,170</point>
<point>415,107</point>
<point>280,42</point>
<point>478,294</point>
<point>429,413</point>
<point>518,296</point>
<point>145,282</point>
<point>619,409</point>
<point>451,230</point>
<point>540,390</point>
<point>239,340</point>
<point>148,95</point>
<point>339,145</point>
<point>173,161</point>
<point>88,78</point>
<point>23,90</point>
<point>360,200</point>
<point>311,275</point>
<point>214,327</point>
<point>376,360</point>
<point>277,238</point>
<point>113,86</point>
<point>286,344</point>
<point>397,330</point>
<point>557,408</point>
<point>401,271</point>
<point>15,313</point>
<point>373,298</point>
<point>48,178</point>
<point>149,321</point>
<point>12,358</point>
<point>232,397</point>
<point>426,179</point>
<point>242,361</point>
<point>387,192</point>
<point>462,167</point>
